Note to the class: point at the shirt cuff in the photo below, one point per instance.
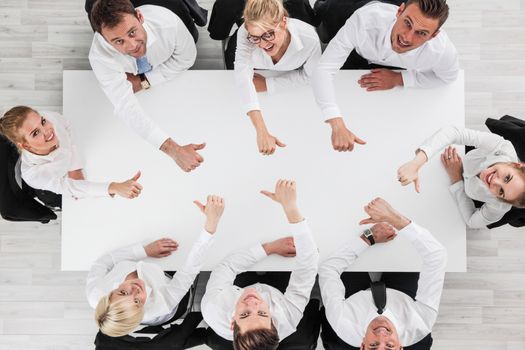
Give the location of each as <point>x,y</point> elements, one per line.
<point>155,77</point>
<point>455,187</point>
<point>139,252</point>
<point>409,79</point>
<point>411,231</point>
<point>252,107</point>
<point>300,228</point>
<point>157,137</point>
<point>270,85</point>
<point>99,189</point>
<point>357,245</point>
<point>331,112</point>
<point>205,236</point>
<point>258,252</point>
<point>427,151</point>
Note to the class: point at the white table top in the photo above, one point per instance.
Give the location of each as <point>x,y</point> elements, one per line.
<point>203,106</point>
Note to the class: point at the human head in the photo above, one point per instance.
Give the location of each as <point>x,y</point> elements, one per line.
<point>381,334</point>
<point>506,181</point>
<point>28,130</point>
<point>121,26</point>
<point>267,16</point>
<point>417,22</point>
<point>119,312</point>
<point>252,323</point>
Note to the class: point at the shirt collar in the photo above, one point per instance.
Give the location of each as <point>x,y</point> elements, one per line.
<point>151,37</point>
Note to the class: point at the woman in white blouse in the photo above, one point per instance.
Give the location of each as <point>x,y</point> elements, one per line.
<point>49,158</point>
<point>126,291</point>
<point>272,41</point>
<point>491,173</point>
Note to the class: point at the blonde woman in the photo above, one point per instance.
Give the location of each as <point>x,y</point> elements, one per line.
<point>49,159</point>
<point>491,173</point>
<point>126,291</point>
<point>272,41</point>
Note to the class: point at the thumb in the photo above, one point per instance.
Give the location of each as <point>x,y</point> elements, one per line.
<point>360,141</point>
<point>198,147</point>
<point>268,194</point>
<point>416,185</point>
<point>366,221</point>
<point>200,205</point>
<point>279,143</point>
<point>136,176</point>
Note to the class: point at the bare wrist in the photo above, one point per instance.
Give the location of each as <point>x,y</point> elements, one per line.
<point>169,145</point>
<point>399,79</point>
<point>336,123</point>
<point>399,222</point>
<point>421,157</point>
<point>292,214</point>
<point>267,248</point>
<point>211,226</point>
<point>111,188</point>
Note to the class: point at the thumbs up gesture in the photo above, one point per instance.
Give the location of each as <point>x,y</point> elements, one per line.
<point>127,189</point>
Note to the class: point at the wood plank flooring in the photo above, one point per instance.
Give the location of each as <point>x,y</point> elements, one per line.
<point>44,308</point>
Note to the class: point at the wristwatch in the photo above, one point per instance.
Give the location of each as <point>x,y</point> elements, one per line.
<point>144,82</point>
<point>369,235</point>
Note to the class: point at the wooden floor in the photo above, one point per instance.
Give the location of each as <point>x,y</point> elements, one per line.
<point>44,308</point>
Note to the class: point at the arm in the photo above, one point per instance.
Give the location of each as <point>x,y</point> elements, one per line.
<point>182,58</point>
<point>243,72</point>
<point>105,264</point>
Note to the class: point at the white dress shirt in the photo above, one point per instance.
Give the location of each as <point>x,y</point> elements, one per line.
<point>297,63</point>
<point>163,293</point>
<point>490,149</point>
<point>170,50</point>
<point>413,319</point>
<point>368,31</point>
<point>286,310</point>
<point>50,172</point>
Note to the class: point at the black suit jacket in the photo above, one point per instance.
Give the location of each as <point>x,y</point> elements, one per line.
<point>183,336</point>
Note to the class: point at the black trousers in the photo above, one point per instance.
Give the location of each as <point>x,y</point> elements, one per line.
<point>356,61</point>
<point>405,282</point>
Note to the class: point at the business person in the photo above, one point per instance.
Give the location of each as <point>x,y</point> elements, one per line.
<point>134,49</point>
<point>259,316</point>
<point>270,40</point>
<point>126,291</point>
<point>394,313</point>
<point>408,37</point>
<point>491,173</point>
<point>50,160</point>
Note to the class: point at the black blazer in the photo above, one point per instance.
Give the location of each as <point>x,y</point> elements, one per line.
<point>183,336</point>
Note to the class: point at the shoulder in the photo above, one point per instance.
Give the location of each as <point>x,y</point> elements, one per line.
<point>376,14</point>
<point>304,30</point>
<point>158,16</point>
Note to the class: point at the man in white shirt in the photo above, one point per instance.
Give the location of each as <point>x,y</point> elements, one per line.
<point>259,316</point>
<point>383,317</point>
<point>407,37</point>
<point>134,49</point>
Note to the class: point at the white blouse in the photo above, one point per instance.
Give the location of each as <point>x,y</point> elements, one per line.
<point>50,172</point>
<point>297,63</point>
<point>490,149</point>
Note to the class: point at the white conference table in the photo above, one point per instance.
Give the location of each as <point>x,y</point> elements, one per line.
<point>333,187</point>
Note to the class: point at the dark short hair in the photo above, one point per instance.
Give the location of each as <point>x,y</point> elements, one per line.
<point>109,13</point>
<point>258,339</point>
<point>436,9</point>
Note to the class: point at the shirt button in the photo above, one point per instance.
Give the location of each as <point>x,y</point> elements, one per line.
<point>497,153</point>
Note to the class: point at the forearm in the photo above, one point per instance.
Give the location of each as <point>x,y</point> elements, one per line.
<point>472,216</point>
<point>257,121</point>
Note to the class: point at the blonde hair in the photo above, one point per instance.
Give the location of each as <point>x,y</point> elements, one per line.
<point>264,13</point>
<point>118,318</point>
<point>12,121</point>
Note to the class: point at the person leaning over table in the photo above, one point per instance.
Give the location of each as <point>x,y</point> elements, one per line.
<point>271,40</point>
<point>407,37</point>
<point>258,316</point>
<point>50,160</point>
<point>126,291</point>
<point>133,49</point>
<point>391,315</point>
<point>491,173</point>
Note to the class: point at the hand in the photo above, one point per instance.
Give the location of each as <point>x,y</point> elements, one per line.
<point>135,82</point>
<point>259,82</point>
<point>213,210</point>
<point>342,138</point>
<point>286,194</point>
<point>127,189</point>
<point>380,79</point>
<point>409,172</point>
<point>161,248</point>
<point>383,232</point>
<point>283,247</point>
<point>380,211</point>
<point>76,174</point>
<point>453,164</point>
<point>186,157</point>
<point>267,142</point>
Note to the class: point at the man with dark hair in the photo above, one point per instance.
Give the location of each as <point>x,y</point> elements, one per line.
<point>133,49</point>
<point>258,316</point>
<point>384,35</point>
<point>398,311</point>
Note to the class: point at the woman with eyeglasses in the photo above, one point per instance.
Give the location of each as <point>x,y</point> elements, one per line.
<point>270,40</point>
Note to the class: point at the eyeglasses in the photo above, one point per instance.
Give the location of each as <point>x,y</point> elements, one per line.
<point>266,36</point>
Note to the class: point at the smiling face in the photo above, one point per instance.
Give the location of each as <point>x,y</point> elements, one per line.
<point>412,29</point>
<point>272,39</point>
<point>128,36</point>
<point>381,334</point>
<point>133,290</point>
<point>251,312</point>
<point>37,134</point>
<point>504,180</point>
